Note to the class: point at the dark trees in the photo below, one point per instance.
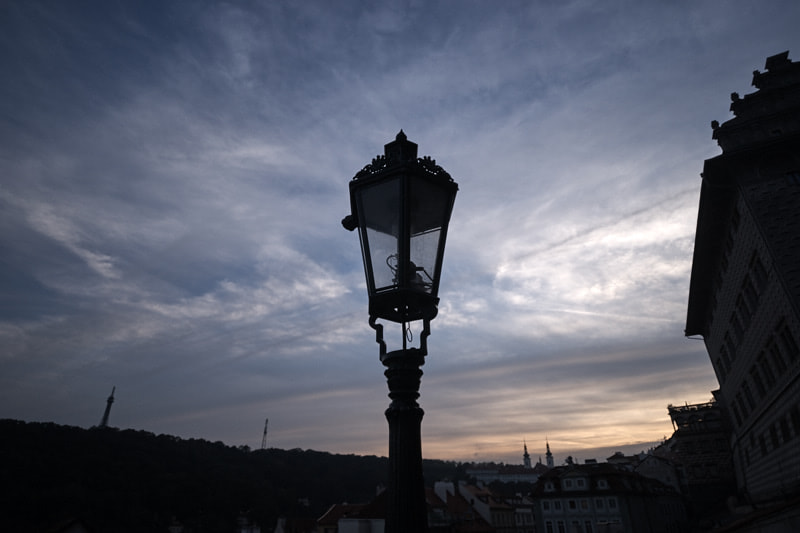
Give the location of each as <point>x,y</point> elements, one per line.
<point>126,480</point>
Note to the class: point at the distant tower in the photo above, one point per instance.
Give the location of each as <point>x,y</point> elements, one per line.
<point>264,438</point>
<point>109,401</point>
<point>526,459</point>
<point>549,456</point>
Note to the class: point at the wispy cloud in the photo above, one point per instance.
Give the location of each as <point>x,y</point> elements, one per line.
<point>172,179</point>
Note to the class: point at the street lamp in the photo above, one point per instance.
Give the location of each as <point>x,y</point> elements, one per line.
<point>401,205</point>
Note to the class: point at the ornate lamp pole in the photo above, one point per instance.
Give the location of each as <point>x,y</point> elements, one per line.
<point>401,206</point>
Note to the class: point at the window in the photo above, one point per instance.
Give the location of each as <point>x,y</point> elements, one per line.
<point>730,347</point>
<point>584,505</point>
<point>546,505</point>
<point>748,395</point>
<point>726,358</point>
<point>612,503</point>
<point>568,483</point>
<point>743,311</point>
<point>776,357</point>
<point>757,381</point>
<point>758,271</point>
<point>788,342</point>
<point>581,483</point>
<point>722,372</point>
<point>573,505</point>
<point>599,503</point>
<point>602,484</point>
<point>766,369</point>
<point>787,434</point>
<point>723,261</point>
<point>548,526</point>
<point>587,526</point>
<point>742,406</point>
<point>557,505</point>
<point>736,414</point>
<point>750,295</point>
<point>738,328</point>
<point>561,527</point>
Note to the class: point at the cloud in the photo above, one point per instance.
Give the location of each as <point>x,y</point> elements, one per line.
<point>172,180</point>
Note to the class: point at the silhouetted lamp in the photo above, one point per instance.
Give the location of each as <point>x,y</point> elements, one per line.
<point>401,205</point>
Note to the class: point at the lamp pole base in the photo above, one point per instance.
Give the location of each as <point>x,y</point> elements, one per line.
<point>406,509</point>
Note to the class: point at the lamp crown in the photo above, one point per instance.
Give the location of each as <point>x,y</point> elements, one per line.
<point>401,149</point>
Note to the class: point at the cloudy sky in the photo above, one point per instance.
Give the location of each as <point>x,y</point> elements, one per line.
<point>173,174</point>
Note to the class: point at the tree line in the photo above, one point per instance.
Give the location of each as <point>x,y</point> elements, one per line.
<point>130,480</point>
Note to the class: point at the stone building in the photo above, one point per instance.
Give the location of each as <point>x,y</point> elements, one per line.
<point>744,296</point>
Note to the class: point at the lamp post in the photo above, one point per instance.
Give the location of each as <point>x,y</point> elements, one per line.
<point>401,205</point>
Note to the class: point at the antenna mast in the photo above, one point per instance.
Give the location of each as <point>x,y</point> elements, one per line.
<point>104,421</point>
<point>264,439</point>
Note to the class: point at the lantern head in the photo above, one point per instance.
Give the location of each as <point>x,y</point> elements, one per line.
<point>401,206</point>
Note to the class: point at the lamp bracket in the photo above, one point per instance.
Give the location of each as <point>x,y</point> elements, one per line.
<point>423,336</point>
<point>378,334</point>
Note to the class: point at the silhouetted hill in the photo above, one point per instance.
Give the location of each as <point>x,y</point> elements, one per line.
<point>127,480</point>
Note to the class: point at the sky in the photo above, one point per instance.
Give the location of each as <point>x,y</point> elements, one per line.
<point>173,176</point>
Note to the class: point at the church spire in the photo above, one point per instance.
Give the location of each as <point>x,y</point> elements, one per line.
<point>549,455</point>
<point>526,459</point>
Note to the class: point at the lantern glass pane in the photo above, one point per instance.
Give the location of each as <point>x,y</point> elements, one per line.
<point>429,210</point>
<point>424,247</point>
<point>380,207</point>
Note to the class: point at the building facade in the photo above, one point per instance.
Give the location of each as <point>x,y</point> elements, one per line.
<point>744,295</point>
<point>602,497</point>
<point>700,449</point>
<point>496,512</point>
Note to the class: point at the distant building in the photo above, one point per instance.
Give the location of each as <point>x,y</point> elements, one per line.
<point>525,473</point>
<point>369,518</point>
<point>650,465</point>
<point>497,513</point>
<point>700,448</point>
<point>524,514</point>
<point>329,522</point>
<point>448,512</point>
<point>602,497</point>
<point>487,473</point>
<point>458,514</point>
<point>744,296</point>
<point>296,525</point>
<point>624,462</point>
<point>661,469</point>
